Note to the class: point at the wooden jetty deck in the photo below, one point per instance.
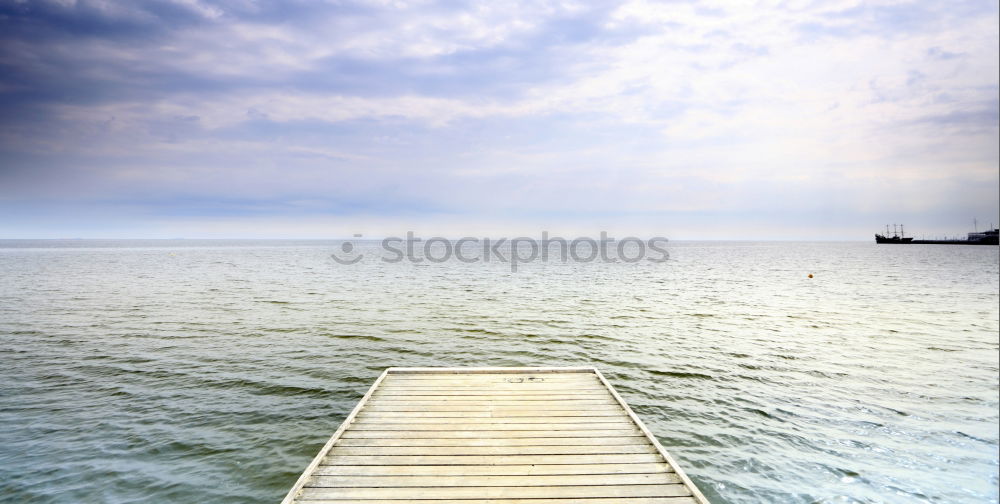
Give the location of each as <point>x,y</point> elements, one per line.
<point>493,436</point>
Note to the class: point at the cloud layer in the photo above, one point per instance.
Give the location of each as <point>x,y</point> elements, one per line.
<point>708,119</point>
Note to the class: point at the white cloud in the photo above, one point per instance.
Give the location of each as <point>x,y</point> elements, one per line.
<point>673,107</point>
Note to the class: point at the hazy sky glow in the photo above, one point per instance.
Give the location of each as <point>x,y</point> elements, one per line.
<point>788,120</point>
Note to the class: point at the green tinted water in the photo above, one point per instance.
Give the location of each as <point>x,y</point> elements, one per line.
<point>214,371</point>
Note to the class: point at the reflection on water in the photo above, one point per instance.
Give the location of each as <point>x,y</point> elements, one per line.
<point>213,371</point>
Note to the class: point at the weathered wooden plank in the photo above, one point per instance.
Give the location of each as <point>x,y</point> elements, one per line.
<point>493,436</point>
<point>496,402</point>
<point>524,492</point>
<point>585,500</point>
<point>589,385</point>
<point>525,406</point>
<point>492,424</point>
<point>493,377</point>
<point>500,388</point>
<point>551,388</point>
<point>405,415</point>
<point>488,433</point>
<point>493,470</point>
<point>473,370</point>
<point>490,481</point>
<point>497,412</point>
<point>544,406</point>
<point>457,451</point>
<point>548,420</point>
<point>532,376</point>
<point>638,439</point>
<point>593,412</point>
<point>457,422</point>
<point>381,460</point>
<point>491,383</point>
<point>482,382</point>
<point>445,394</point>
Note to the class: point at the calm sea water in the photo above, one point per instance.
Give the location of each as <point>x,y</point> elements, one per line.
<point>179,371</point>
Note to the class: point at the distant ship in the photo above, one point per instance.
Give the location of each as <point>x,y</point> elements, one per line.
<point>991,237</point>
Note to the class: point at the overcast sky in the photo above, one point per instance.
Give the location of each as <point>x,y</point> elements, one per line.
<point>779,120</point>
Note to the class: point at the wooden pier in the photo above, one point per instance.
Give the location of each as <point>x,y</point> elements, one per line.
<point>493,436</point>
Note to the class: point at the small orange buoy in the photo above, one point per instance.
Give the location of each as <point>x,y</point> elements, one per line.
<point>810,275</point>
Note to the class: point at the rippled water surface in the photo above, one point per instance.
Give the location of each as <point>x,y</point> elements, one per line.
<point>183,371</point>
